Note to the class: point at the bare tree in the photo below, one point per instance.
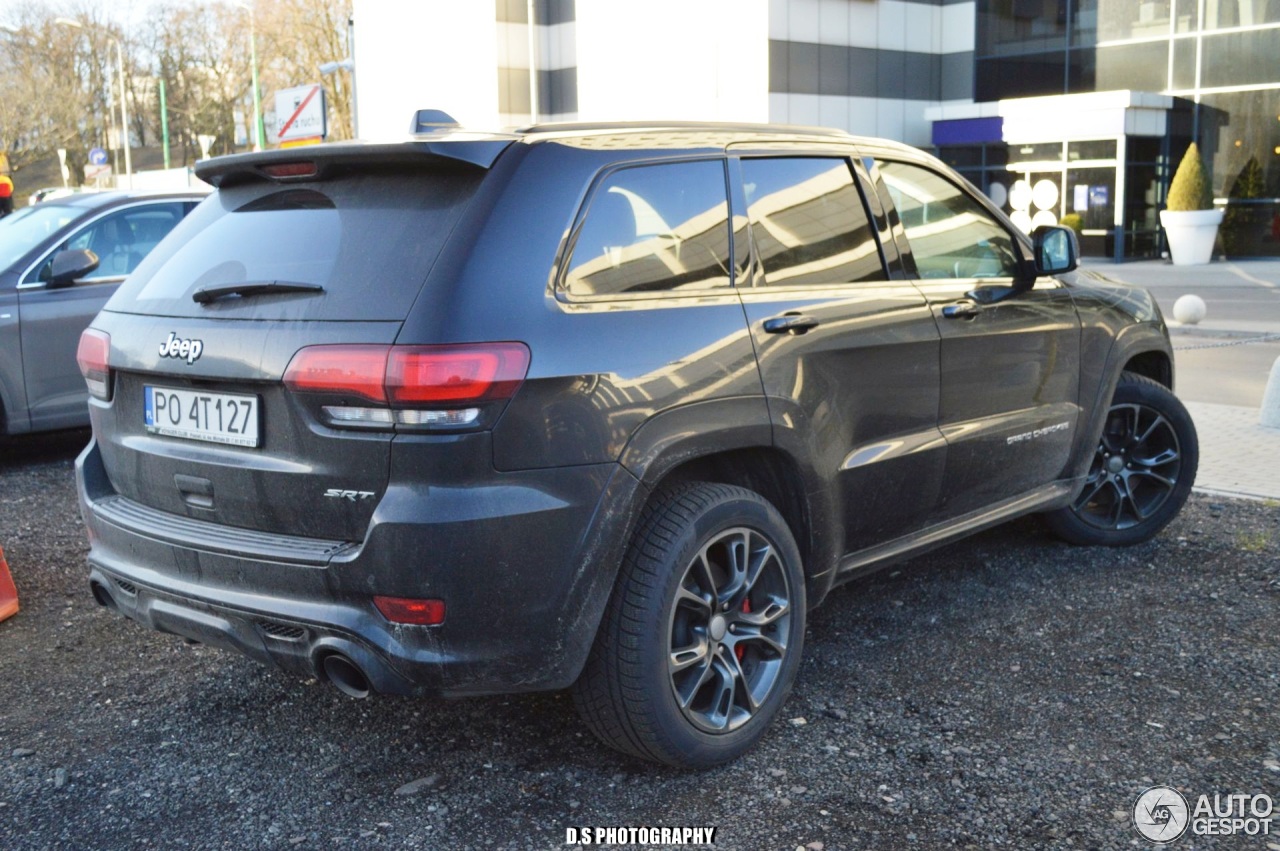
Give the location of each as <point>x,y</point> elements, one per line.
<point>199,51</point>
<point>57,77</point>
<point>62,83</point>
<point>295,38</point>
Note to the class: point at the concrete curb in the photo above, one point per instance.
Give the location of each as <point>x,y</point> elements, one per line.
<point>1231,494</point>
<point>1176,330</point>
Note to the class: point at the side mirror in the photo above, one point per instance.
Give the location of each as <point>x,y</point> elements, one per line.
<point>1056,249</point>
<point>71,265</point>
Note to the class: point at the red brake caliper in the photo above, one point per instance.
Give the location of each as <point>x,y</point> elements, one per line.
<point>746,608</point>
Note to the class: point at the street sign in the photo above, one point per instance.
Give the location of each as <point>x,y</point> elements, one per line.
<point>300,113</point>
<point>97,156</point>
<point>96,172</point>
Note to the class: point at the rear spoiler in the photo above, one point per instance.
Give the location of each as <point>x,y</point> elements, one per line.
<point>460,149</point>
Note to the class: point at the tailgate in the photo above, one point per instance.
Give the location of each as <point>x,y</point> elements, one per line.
<point>198,420</point>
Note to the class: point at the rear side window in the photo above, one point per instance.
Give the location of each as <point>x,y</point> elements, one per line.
<point>809,223</point>
<point>369,240</point>
<point>951,235</point>
<point>654,228</point>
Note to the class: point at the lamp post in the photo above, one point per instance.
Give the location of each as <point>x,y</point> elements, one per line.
<point>124,97</point>
<point>253,58</point>
<point>348,65</point>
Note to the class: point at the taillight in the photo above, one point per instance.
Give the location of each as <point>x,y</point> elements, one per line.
<point>357,370</point>
<point>411,611</point>
<point>455,374</point>
<point>94,357</point>
<point>422,387</point>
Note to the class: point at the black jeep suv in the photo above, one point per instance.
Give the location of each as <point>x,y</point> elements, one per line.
<point>601,407</point>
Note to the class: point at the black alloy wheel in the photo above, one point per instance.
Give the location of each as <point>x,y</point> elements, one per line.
<point>701,639</point>
<point>729,630</point>
<point>1135,469</point>
<point>1141,472</point>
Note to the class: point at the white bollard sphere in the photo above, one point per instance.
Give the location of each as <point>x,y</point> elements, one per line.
<point>1189,309</point>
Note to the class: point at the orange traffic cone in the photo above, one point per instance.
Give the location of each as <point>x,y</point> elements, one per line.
<point>8,593</point>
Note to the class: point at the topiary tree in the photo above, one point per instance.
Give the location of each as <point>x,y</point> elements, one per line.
<point>1190,189</point>
<point>1242,221</point>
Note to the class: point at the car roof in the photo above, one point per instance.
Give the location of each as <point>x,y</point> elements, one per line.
<point>96,200</point>
<point>451,144</point>
<point>640,135</point>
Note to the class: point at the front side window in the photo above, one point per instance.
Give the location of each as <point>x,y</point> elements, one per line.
<point>121,239</point>
<point>809,223</point>
<point>22,231</point>
<point>951,235</point>
<point>654,228</point>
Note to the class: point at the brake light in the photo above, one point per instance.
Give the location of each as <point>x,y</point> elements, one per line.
<point>94,357</point>
<point>358,370</point>
<point>456,374</point>
<point>411,611</point>
<point>294,170</point>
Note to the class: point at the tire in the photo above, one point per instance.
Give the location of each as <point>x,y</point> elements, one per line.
<point>677,676</point>
<point>1141,473</point>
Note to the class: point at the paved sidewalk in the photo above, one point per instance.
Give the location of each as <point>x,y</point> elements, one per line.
<point>1238,456</point>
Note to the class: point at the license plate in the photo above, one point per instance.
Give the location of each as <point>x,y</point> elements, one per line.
<point>194,415</point>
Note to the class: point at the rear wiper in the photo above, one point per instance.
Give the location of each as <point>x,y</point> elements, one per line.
<point>210,294</point>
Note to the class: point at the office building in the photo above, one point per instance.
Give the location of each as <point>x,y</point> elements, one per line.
<point>1055,108</point>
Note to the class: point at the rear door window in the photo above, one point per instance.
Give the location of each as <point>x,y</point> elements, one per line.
<point>369,240</point>
<point>809,223</point>
<point>654,228</point>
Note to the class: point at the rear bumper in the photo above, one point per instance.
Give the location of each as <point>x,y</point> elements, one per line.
<point>521,561</point>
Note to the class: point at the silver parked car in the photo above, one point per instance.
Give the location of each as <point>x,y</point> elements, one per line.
<point>59,263</point>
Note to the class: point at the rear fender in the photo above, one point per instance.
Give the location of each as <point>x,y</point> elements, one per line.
<point>678,435</point>
<point>686,434</point>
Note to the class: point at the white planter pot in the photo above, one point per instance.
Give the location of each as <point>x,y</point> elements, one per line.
<point>1191,234</point>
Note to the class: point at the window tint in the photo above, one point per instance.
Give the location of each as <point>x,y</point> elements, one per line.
<point>368,239</point>
<point>950,234</point>
<point>654,228</point>
<point>809,222</point>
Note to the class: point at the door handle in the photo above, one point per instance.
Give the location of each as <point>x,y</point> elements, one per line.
<point>790,323</point>
<point>961,310</point>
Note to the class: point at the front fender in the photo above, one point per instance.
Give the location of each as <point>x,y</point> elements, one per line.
<point>1131,341</point>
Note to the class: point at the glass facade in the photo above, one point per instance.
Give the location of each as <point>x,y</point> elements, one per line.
<point>1221,56</point>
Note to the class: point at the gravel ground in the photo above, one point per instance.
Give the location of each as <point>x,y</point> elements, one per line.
<point>1008,691</point>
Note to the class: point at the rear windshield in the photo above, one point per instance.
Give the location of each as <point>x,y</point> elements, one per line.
<point>368,240</point>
